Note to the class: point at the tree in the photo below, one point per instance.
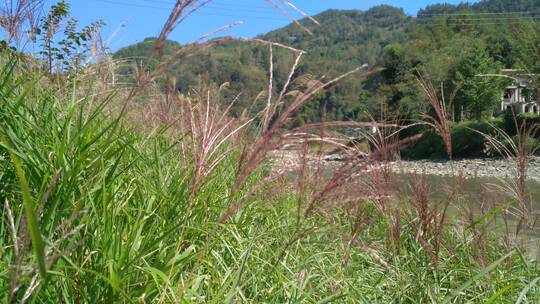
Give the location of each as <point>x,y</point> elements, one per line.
<point>47,30</point>
<point>394,63</point>
<point>67,52</point>
<point>478,95</point>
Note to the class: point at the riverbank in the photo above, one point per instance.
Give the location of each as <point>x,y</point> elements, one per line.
<point>500,168</point>
<point>288,160</point>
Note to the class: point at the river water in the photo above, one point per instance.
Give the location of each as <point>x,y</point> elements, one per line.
<point>482,186</point>
<point>490,193</point>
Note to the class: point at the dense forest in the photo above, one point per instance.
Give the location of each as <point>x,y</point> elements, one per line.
<point>449,45</point>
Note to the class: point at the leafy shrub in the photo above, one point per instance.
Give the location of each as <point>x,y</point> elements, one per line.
<point>466,142</point>
<point>529,120</point>
<point>532,143</point>
<point>430,145</point>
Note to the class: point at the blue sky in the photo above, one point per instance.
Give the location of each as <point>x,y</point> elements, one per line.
<point>130,21</point>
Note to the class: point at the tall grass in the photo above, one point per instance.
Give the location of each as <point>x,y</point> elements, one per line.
<point>122,220</point>
<point>16,15</point>
<point>171,200</point>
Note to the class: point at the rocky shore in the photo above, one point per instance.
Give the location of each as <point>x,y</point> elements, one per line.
<point>501,168</point>
<point>469,168</point>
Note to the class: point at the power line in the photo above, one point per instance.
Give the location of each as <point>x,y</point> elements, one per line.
<point>265,7</point>
<point>216,3</point>
<point>240,10</point>
<point>234,7</point>
<point>484,19</point>
<point>450,22</point>
<point>476,24</point>
<point>199,12</point>
<point>488,20</point>
<point>532,15</point>
<point>476,14</point>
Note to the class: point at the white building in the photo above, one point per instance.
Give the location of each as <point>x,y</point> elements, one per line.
<point>519,95</point>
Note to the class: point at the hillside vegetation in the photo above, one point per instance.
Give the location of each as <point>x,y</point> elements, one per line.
<point>344,40</point>
<point>116,188</point>
<point>444,44</point>
<point>96,211</point>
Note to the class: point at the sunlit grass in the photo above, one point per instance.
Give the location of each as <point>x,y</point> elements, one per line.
<point>120,223</point>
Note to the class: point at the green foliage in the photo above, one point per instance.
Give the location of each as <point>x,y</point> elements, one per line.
<point>345,40</point>
<point>485,6</point>
<point>394,63</point>
<point>511,122</point>
<point>467,142</point>
<point>121,224</point>
<point>478,95</point>
<point>68,52</point>
<point>443,47</point>
<point>447,44</point>
<point>429,146</point>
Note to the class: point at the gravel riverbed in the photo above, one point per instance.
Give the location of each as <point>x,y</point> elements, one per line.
<point>500,168</point>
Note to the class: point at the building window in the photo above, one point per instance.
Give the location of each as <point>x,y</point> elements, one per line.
<point>526,109</point>
<point>507,94</point>
<point>535,109</point>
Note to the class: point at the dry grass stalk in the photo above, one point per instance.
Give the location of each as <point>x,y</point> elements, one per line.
<point>430,218</point>
<point>209,134</point>
<point>284,12</point>
<point>210,137</point>
<point>60,237</point>
<point>440,123</point>
<point>478,228</point>
<point>370,177</point>
<point>294,7</point>
<point>184,8</point>
<point>14,14</point>
<point>50,260</point>
<point>15,271</point>
<point>268,141</point>
<point>519,151</point>
<point>221,29</point>
<point>144,79</point>
<point>277,44</point>
<point>181,10</point>
<point>351,187</point>
<point>13,230</point>
<point>267,116</point>
<point>365,172</point>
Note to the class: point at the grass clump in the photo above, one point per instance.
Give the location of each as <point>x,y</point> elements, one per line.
<point>120,222</point>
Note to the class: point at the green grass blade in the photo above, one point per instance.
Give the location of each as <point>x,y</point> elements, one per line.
<point>526,290</point>
<point>499,293</point>
<point>481,274</point>
<point>331,298</point>
<point>238,280</point>
<point>491,214</point>
<point>29,209</point>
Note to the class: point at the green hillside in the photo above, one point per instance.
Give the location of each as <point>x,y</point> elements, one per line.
<point>344,39</point>
<point>485,6</point>
<point>439,44</point>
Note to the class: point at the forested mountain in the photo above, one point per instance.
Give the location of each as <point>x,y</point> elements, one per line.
<point>446,44</point>
<point>343,40</point>
<point>484,6</point>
